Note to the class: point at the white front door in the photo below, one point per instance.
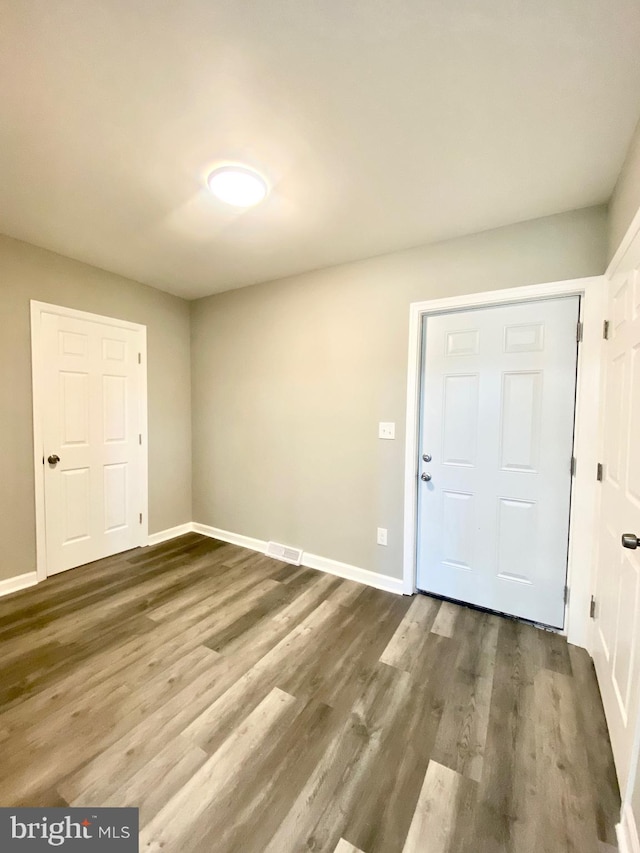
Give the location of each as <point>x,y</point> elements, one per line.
<point>616,645</point>
<point>498,401</point>
<point>89,380</point>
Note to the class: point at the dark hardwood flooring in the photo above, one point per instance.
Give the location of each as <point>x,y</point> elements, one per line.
<point>247,706</point>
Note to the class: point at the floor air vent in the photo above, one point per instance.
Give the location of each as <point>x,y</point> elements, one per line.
<point>282,552</point>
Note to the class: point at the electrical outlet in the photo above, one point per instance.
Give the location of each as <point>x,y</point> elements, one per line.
<point>386,430</point>
<point>382,536</point>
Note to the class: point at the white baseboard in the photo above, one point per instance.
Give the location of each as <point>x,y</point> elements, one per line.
<point>352,573</point>
<point>627,831</point>
<point>310,561</point>
<point>18,582</point>
<point>170,533</point>
<point>233,538</point>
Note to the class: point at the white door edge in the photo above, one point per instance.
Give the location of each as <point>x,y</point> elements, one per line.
<point>37,309</point>
<point>582,536</point>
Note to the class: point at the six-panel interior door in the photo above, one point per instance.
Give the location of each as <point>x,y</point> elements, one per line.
<point>90,389</point>
<point>616,644</point>
<point>497,419</point>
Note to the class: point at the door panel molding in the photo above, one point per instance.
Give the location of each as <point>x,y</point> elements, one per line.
<point>583,505</point>
<point>38,396</point>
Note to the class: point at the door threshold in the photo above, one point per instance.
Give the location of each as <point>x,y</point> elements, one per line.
<point>549,628</point>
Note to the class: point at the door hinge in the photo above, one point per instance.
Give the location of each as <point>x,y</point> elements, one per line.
<point>566,594</point>
<point>600,472</point>
<point>579,332</point>
<point>140,518</point>
<point>574,465</point>
<point>605,330</point>
<point>139,438</point>
<point>139,358</point>
<point>592,608</point>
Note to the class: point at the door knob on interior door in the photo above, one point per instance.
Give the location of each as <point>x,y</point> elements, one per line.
<point>425,477</point>
<point>53,459</point>
<point>630,540</point>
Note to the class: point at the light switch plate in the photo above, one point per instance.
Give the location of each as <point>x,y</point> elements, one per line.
<point>382,536</point>
<point>386,430</point>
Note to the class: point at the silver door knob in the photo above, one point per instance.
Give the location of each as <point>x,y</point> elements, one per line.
<point>53,459</point>
<point>630,540</point>
<point>426,457</point>
<point>425,477</point>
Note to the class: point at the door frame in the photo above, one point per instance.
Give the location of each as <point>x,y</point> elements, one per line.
<point>584,488</point>
<point>37,309</point>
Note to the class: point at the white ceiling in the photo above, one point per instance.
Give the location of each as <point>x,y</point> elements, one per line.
<point>379,124</point>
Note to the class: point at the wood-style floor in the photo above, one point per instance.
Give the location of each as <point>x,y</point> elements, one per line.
<point>247,706</point>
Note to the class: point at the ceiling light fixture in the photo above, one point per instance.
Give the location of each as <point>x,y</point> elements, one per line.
<point>237,185</point>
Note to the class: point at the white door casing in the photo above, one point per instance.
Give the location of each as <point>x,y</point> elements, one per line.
<point>616,634</point>
<point>89,382</point>
<point>498,412</point>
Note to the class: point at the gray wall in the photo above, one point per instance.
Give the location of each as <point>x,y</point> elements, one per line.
<point>625,200</point>
<point>26,273</point>
<point>291,378</point>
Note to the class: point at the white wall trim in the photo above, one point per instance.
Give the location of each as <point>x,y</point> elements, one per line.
<point>143,414</point>
<point>584,493</point>
<point>627,832</point>
<point>233,538</point>
<point>310,561</point>
<point>352,573</point>
<point>17,583</point>
<point>38,308</point>
<point>169,533</point>
<point>63,311</point>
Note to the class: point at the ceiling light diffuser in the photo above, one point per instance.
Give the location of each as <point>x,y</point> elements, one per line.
<point>238,186</point>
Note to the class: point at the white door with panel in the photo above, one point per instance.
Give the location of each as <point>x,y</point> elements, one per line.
<point>497,421</point>
<point>616,643</point>
<point>90,394</point>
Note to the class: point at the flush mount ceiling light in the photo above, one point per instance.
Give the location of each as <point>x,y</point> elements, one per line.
<point>237,185</point>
